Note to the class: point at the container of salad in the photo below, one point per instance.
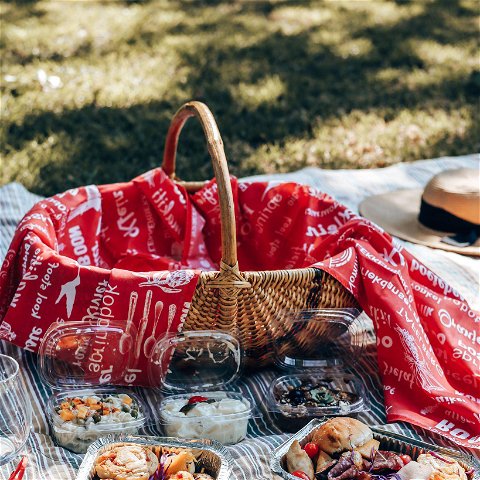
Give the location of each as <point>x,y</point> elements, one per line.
<point>199,401</point>
<point>78,361</point>
<point>316,381</point>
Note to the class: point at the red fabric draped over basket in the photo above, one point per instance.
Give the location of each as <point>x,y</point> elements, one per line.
<point>81,254</point>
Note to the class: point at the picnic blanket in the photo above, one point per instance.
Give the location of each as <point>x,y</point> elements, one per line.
<point>348,187</point>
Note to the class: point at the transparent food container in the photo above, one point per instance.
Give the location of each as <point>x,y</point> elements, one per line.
<point>225,420</point>
<point>342,395</point>
<point>193,370</point>
<point>314,349</point>
<point>78,361</point>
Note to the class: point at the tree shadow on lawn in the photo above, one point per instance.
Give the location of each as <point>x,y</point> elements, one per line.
<point>316,84</point>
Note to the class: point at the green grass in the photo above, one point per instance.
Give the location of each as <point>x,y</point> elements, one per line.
<point>335,84</point>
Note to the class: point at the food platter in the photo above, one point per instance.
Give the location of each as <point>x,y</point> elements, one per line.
<point>211,456</point>
<point>388,441</point>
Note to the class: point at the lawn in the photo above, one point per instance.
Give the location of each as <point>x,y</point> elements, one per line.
<point>88,88</point>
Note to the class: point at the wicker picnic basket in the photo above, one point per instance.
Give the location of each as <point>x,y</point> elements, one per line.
<point>245,303</point>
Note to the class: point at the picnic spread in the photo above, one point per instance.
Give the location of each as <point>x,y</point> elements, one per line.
<point>177,287</point>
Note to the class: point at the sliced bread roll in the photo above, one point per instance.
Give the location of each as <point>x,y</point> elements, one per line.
<point>127,462</point>
<point>340,434</point>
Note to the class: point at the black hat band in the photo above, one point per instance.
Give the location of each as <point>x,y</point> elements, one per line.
<point>466,233</point>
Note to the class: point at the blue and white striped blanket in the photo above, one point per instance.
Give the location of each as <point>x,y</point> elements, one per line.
<point>49,462</point>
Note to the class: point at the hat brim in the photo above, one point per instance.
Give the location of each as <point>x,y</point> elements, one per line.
<point>397,213</point>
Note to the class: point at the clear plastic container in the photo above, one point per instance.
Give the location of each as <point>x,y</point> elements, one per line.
<point>314,349</point>
<point>312,339</point>
<point>78,361</point>
<point>224,420</point>
<point>77,437</point>
<point>335,394</point>
<point>193,370</point>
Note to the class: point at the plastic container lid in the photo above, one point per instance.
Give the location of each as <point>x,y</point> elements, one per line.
<point>79,355</point>
<point>202,360</point>
<point>316,347</point>
<point>313,339</point>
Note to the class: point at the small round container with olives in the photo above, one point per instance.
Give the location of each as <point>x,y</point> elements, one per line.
<point>315,381</point>
<point>296,399</point>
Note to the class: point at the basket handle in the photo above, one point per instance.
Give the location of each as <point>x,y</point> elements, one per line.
<point>220,168</point>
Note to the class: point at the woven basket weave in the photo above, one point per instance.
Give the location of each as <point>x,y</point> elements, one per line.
<point>246,304</point>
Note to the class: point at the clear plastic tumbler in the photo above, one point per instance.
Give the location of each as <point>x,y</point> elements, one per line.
<point>15,411</point>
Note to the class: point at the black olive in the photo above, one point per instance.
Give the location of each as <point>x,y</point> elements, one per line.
<point>296,397</point>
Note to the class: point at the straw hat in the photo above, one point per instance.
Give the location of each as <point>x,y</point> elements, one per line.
<point>445,215</point>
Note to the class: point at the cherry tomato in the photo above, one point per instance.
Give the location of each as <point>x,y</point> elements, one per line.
<point>300,474</point>
<point>405,459</point>
<point>197,399</point>
<point>311,449</point>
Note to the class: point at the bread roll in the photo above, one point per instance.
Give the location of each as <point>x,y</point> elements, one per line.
<point>341,434</point>
<point>126,462</point>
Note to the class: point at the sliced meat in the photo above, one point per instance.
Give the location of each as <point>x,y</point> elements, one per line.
<point>350,463</point>
<point>384,460</point>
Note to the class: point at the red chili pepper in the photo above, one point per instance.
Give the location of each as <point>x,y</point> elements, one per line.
<point>405,459</point>
<point>197,399</point>
<point>20,470</point>
<point>300,474</point>
<point>311,449</point>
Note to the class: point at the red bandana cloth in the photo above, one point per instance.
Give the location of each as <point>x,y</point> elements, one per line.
<point>91,253</point>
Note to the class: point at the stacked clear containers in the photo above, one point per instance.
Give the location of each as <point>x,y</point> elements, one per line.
<point>315,348</point>
<point>195,373</point>
<point>191,369</point>
<point>194,370</point>
<point>78,361</point>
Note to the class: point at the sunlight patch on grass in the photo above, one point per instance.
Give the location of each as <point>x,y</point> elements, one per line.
<point>265,91</point>
<point>295,19</point>
<point>435,53</point>
<point>416,79</point>
<point>359,140</point>
<point>384,13</point>
<point>354,47</point>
